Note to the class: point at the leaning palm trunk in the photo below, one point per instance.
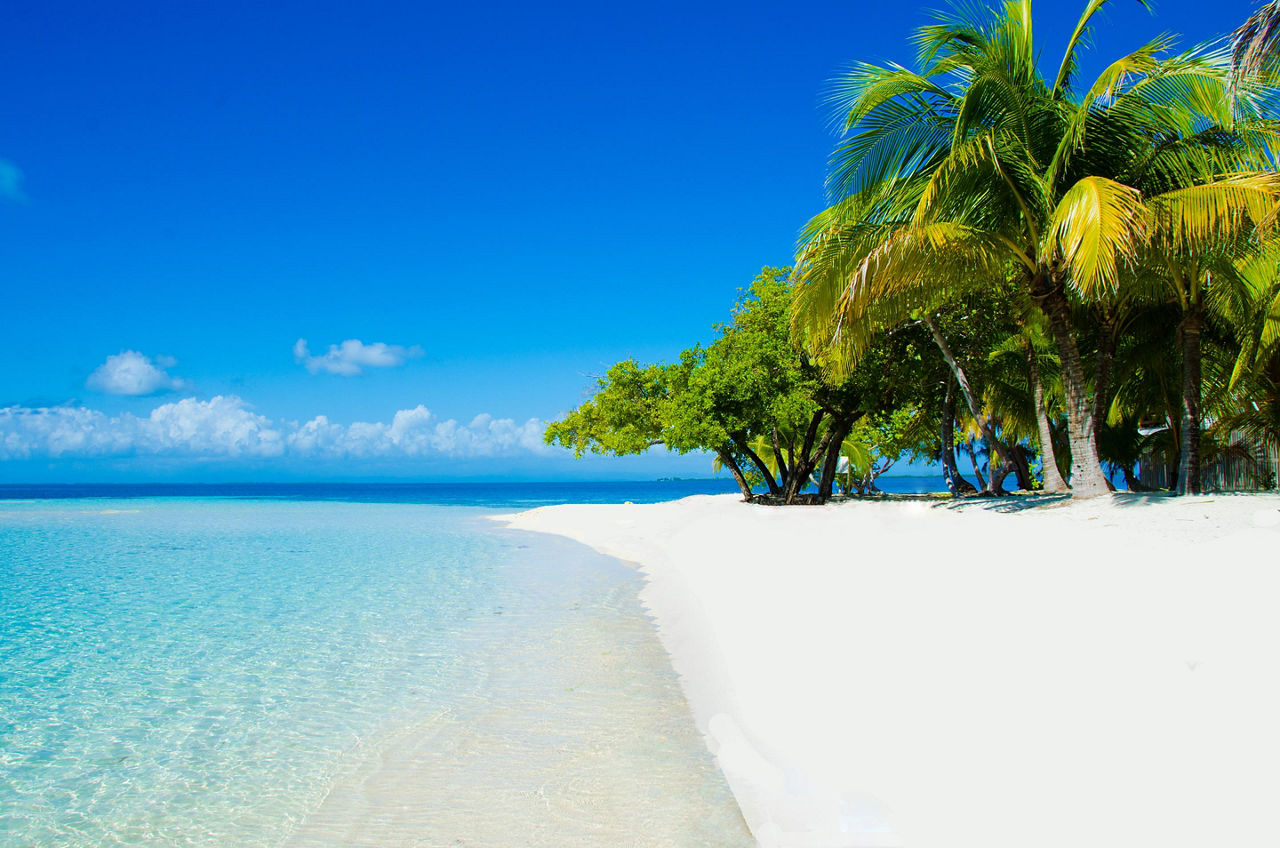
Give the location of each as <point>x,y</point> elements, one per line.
<point>973,460</point>
<point>1087,477</point>
<point>1006,465</point>
<point>1053,482</point>
<point>1189,463</point>
<point>956,484</point>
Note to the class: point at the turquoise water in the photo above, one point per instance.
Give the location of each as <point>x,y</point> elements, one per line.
<point>183,671</point>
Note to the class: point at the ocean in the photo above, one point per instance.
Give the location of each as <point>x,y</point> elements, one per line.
<point>336,665</point>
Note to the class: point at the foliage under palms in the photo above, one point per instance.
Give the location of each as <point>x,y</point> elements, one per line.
<point>975,172</point>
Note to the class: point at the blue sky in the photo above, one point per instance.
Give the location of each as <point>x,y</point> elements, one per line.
<point>487,205</point>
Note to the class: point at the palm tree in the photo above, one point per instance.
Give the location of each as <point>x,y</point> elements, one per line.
<point>1026,387</point>
<point>1195,242</point>
<point>1255,44</point>
<point>1253,410</point>
<point>998,176</point>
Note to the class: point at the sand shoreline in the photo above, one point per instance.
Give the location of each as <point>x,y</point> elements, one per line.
<point>1102,672</point>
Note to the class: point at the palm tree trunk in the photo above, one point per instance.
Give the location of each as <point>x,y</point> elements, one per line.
<point>1052,477</point>
<point>1006,461</point>
<point>1131,481</point>
<point>1022,467</point>
<point>1189,466</point>
<point>1102,369</point>
<point>973,460</point>
<point>956,484</point>
<point>1087,477</point>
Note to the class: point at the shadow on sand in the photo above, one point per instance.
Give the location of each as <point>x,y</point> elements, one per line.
<point>1003,503</point>
<point>1006,503</point>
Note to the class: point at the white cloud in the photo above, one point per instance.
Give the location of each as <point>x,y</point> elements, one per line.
<point>63,431</point>
<point>11,182</point>
<point>131,373</point>
<point>225,427</point>
<point>348,358</point>
<point>221,426</point>
<point>417,433</point>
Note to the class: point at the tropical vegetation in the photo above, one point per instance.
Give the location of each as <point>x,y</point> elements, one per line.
<point>1067,280</point>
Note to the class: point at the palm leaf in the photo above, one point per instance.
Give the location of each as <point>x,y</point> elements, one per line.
<point>1098,225</point>
<point>1202,218</point>
<point>1255,44</point>
<point>1066,70</point>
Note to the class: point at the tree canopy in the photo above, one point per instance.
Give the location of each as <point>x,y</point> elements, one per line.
<point>1056,276</point>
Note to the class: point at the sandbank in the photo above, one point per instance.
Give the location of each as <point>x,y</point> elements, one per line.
<point>1014,672</point>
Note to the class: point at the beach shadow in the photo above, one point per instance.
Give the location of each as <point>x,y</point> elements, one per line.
<point>1005,503</point>
<point>1132,499</point>
<point>941,500</point>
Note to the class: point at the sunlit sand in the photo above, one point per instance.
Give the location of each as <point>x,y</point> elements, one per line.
<point>1008,672</point>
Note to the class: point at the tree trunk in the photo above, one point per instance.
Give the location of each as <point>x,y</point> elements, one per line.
<point>727,460</point>
<point>1006,461</point>
<point>956,484</point>
<point>783,467</point>
<point>1022,468</point>
<point>774,488</point>
<point>1131,480</point>
<point>1102,370</point>
<point>999,471</point>
<point>973,460</point>
<point>946,436</point>
<point>874,474</point>
<point>809,456</point>
<point>842,425</point>
<point>1052,477</point>
<point>1189,467</point>
<point>1087,477</point>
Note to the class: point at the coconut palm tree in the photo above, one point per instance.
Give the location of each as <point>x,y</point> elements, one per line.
<point>1195,242</point>
<point>1255,44</point>
<point>974,144</point>
<point>976,170</point>
<point>1026,386</point>
<point>1253,408</point>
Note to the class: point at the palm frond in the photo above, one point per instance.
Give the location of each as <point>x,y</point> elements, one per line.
<point>1255,44</point>
<point>1099,225</point>
<point>865,88</point>
<point>893,141</point>
<point>1066,70</point>
<point>1202,218</point>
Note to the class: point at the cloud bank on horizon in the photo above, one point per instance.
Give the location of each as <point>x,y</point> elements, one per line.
<point>132,373</point>
<point>352,356</point>
<point>226,427</point>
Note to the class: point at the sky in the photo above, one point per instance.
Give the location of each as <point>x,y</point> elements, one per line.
<point>286,241</point>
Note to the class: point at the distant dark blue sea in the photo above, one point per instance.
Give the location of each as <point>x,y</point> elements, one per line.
<point>502,495</point>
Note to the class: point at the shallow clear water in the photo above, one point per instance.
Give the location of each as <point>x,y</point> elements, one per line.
<point>234,672</point>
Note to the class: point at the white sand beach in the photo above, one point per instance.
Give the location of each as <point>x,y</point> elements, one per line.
<point>1082,673</point>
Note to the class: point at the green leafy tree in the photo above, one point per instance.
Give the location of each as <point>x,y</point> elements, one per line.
<point>752,397</point>
<point>976,171</point>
